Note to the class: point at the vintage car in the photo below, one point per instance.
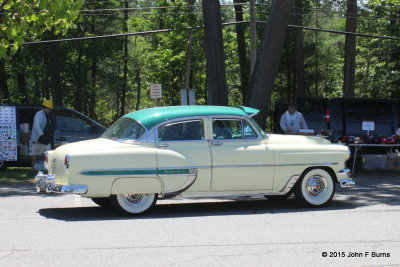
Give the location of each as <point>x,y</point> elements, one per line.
<point>194,151</point>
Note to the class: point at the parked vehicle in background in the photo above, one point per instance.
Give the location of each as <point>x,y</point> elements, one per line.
<point>16,126</point>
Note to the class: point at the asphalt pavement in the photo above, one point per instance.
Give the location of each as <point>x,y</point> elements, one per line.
<point>360,227</point>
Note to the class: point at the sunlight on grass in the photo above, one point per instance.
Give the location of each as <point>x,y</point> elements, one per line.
<point>13,174</point>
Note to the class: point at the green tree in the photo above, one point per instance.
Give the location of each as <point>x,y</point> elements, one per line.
<point>22,19</point>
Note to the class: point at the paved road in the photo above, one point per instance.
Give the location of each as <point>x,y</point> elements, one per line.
<point>361,227</point>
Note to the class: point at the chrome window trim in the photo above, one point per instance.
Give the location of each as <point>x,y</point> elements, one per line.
<point>151,136</point>
<point>177,121</point>
<point>238,118</point>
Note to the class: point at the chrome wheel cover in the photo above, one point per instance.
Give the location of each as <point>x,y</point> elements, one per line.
<point>134,199</point>
<point>136,203</point>
<point>316,186</point>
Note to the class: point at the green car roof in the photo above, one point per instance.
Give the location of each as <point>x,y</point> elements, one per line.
<point>153,116</point>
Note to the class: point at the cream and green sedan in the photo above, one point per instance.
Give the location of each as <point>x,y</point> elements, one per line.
<point>194,151</point>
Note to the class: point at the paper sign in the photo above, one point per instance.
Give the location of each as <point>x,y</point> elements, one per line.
<point>368,125</point>
<point>155,91</point>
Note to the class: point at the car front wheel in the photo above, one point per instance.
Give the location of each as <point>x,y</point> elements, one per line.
<point>133,204</point>
<point>316,188</point>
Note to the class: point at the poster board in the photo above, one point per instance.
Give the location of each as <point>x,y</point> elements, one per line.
<point>8,134</point>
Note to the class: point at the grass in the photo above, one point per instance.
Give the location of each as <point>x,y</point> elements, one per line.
<point>15,174</point>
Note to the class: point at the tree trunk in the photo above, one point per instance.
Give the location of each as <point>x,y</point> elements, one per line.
<point>92,102</point>
<point>299,47</point>
<point>268,60</point>
<point>215,56</point>
<point>139,89</point>
<point>189,48</point>
<point>55,77</point>
<point>125,53</point>
<point>244,61</point>
<point>350,50</point>
<point>78,96</point>
<point>23,92</point>
<point>4,93</point>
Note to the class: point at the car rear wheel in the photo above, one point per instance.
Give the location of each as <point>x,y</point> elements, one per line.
<point>316,188</point>
<point>133,204</point>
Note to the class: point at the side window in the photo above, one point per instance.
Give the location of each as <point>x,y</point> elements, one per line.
<point>71,123</point>
<point>248,132</point>
<point>232,129</point>
<point>188,130</point>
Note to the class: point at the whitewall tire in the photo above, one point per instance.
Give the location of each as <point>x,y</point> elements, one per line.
<point>133,204</point>
<point>316,188</point>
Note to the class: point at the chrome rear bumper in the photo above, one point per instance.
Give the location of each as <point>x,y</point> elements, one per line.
<point>45,184</point>
<point>344,178</point>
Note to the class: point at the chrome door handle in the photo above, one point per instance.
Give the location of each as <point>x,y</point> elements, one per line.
<point>216,143</point>
<point>162,146</point>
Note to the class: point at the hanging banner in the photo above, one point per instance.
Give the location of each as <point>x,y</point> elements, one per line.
<point>8,133</point>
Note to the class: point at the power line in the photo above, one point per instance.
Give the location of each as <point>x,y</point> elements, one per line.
<point>345,33</point>
<point>224,24</point>
<point>99,37</point>
<point>153,7</point>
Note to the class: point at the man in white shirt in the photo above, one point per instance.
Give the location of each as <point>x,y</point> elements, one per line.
<point>42,131</point>
<point>292,121</point>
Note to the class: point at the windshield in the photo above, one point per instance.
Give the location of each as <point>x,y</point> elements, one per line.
<point>124,128</point>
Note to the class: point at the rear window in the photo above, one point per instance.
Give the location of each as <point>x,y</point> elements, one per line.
<point>124,129</point>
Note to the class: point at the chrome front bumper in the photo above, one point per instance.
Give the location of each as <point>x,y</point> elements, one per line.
<point>344,178</point>
<point>45,184</point>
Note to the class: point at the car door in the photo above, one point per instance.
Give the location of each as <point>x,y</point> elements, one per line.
<point>241,159</point>
<point>183,156</point>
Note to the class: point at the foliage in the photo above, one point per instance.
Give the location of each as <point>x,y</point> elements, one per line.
<point>13,174</point>
<point>92,70</point>
<point>21,19</point>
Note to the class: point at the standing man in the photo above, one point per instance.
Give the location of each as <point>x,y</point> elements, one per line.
<point>292,121</point>
<point>42,131</point>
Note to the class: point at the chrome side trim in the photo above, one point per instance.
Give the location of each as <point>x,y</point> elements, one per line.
<point>310,164</point>
<point>156,171</point>
<point>216,195</point>
<point>276,165</point>
<point>188,183</point>
<point>290,184</point>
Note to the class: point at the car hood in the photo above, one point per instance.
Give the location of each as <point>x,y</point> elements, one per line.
<point>295,139</point>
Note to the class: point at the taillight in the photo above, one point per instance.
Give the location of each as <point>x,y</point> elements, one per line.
<point>66,161</point>
<point>327,115</point>
<point>45,157</point>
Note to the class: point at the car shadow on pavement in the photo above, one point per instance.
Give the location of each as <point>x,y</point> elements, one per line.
<point>179,210</point>
<point>372,189</point>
